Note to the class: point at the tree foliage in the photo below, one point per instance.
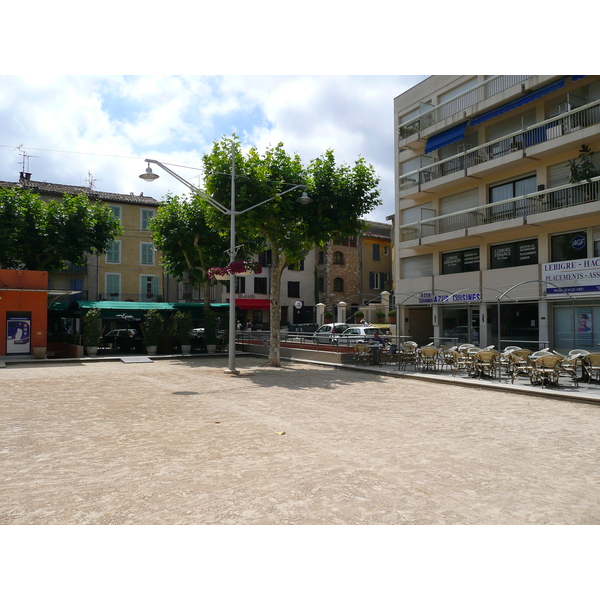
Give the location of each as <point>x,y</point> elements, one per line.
<point>187,241</point>
<point>41,235</point>
<point>341,196</point>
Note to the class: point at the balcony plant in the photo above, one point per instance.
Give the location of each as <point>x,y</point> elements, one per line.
<point>92,330</point>
<point>239,268</point>
<point>380,316</point>
<point>359,315</point>
<point>582,168</point>
<point>152,327</point>
<point>328,317</point>
<point>392,316</point>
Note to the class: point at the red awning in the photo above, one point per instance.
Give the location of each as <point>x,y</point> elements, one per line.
<point>254,304</point>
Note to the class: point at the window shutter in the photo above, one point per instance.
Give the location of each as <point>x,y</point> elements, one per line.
<point>371,280</point>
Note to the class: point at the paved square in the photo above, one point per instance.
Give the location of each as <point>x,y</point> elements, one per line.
<point>177,441</point>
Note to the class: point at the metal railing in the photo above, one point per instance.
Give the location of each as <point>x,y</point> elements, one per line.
<point>580,118</point>
<point>117,297</point>
<point>521,206</point>
<point>483,91</point>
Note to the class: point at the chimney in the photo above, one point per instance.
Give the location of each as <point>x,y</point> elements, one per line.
<point>24,177</point>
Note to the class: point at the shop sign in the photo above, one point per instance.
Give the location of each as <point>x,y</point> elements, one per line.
<point>572,276</point>
<point>427,298</point>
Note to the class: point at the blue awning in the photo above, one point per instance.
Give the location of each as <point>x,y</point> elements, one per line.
<point>529,97</point>
<point>576,77</point>
<point>445,137</point>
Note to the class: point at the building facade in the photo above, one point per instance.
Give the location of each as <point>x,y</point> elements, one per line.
<point>130,270</point>
<point>497,219</point>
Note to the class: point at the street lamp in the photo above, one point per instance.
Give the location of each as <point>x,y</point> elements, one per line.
<point>150,176</point>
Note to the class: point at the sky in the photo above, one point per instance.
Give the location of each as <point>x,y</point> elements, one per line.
<point>73,129</point>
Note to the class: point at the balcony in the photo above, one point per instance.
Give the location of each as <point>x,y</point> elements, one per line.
<point>516,212</point>
<point>479,93</point>
<point>514,146</point>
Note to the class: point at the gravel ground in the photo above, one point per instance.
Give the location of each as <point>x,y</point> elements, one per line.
<point>178,441</point>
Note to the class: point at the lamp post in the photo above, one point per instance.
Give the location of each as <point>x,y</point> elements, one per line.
<point>233,213</point>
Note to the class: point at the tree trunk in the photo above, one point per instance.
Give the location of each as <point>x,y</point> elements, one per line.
<point>277,267</point>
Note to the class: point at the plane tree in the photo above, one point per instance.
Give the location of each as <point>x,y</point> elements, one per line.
<point>340,196</point>
<point>41,235</point>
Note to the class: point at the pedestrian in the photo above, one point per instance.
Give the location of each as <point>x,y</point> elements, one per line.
<point>377,344</point>
<point>239,326</point>
<point>249,326</point>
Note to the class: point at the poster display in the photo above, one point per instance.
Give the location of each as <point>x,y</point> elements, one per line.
<point>18,338</point>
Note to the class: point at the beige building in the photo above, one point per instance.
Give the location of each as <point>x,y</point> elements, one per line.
<point>496,239</point>
<point>131,268</point>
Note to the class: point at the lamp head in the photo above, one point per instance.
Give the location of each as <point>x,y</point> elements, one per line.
<point>148,175</point>
<point>304,199</point>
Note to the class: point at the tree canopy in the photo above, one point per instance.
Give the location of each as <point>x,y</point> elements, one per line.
<point>341,195</point>
<point>40,235</point>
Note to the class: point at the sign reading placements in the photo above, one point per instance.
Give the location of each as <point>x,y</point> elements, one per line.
<point>572,276</point>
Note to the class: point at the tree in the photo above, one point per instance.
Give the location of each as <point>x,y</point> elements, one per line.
<point>41,235</point>
<point>187,241</point>
<point>340,195</point>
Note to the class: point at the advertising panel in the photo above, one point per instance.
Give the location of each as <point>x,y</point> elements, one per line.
<point>572,276</point>
<point>18,338</point>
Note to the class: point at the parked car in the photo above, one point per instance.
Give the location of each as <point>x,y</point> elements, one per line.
<point>360,333</point>
<point>328,332</point>
<point>197,333</point>
<point>123,339</point>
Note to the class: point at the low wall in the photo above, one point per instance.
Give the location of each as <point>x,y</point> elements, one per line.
<point>299,352</point>
<point>64,350</point>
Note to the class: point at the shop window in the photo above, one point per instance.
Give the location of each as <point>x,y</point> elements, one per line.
<point>514,254</point>
<point>462,261</point>
<point>569,246</point>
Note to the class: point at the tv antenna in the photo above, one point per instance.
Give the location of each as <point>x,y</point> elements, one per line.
<point>91,180</point>
<point>24,158</point>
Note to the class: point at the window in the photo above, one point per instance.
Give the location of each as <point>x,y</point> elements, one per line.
<point>569,246</point>
<point>145,215</point>
<point>376,252</point>
<point>321,259</point>
<point>299,266</point>
<point>338,284</point>
<point>417,266</point>
<point>240,285</point>
<point>338,258</point>
<point>462,261</point>
<point>112,285</point>
<point>265,259</point>
<point>293,289</point>
<point>116,211</point>
<point>148,287</point>
<point>514,254</point>
<point>260,285</point>
<point>321,284</point>
<point>376,280</point>
<point>511,189</point>
<point>113,254</point>
<point>386,250</point>
<point>146,253</point>
<point>351,242</point>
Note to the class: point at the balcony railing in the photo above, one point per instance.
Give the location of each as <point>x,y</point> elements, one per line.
<point>478,93</point>
<point>522,206</point>
<point>553,128</point>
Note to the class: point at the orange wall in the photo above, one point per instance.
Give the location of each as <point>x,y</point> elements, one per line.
<point>16,293</point>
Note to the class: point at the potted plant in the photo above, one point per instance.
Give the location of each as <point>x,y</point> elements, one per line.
<point>92,330</point>
<point>152,327</point>
<point>392,316</point>
<point>380,316</point>
<point>182,327</point>
<point>210,330</point>
<point>582,168</point>
<point>359,315</point>
<point>328,317</point>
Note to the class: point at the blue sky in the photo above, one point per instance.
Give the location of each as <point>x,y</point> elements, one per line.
<point>71,126</point>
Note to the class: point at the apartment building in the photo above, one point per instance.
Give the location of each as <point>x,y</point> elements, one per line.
<point>130,270</point>
<point>497,236</point>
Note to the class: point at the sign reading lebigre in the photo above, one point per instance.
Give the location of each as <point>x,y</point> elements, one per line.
<point>572,276</point>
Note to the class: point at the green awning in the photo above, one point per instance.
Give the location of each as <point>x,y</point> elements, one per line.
<point>114,310</point>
